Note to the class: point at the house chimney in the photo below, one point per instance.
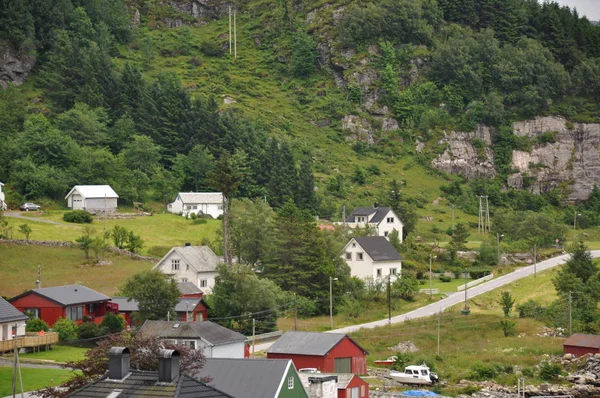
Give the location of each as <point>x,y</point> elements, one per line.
<point>322,386</point>
<point>187,244</point>
<point>118,363</point>
<point>37,284</point>
<point>376,205</point>
<point>168,365</point>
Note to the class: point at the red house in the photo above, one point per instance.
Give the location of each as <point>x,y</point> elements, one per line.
<point>71,301</point>
<point>189,290</point>
<point>580,344</point>
<point>188,309</point>
<point>327,352</point>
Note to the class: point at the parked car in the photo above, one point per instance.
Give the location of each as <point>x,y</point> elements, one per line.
<point>29,207</point>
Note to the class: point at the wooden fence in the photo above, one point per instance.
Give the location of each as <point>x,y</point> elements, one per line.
<point>30,340</point>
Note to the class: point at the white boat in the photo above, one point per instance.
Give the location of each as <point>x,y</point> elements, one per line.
<point>415,374</point>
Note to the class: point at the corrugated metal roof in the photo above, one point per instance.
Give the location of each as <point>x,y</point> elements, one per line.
<point>189,288</point>
<point>213,333</point>
<point>8,312</point>
<point>201,197</point>
<point>184,304</point>
<point>363,211</point>
<point>378,248</point>
<point>68,294</point>
<point>94,191</point>
<point>583,340</point>
<point>307,343</point>
<point>187,304</point>
<point>200,258</point>
<point>145,384</point>
<point>248,378</point>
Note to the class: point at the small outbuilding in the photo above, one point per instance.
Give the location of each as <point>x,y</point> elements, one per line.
<point>95,198</point>
<point>201,203</point>
<point>348,385</point>
<point>327,352</point>
<point>580,344</point>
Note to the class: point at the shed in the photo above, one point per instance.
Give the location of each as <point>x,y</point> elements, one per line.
<point>348,385</point>
<point>327,352</point>
<point>95,198</point>
<point>580,344</point>
<point>204,203</point>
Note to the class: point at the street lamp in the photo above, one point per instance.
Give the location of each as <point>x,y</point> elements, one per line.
<point>331,279</point>
<point>431,257</point>
<point>575,225</point>
<point>465,311</point>
<point>498,236</point>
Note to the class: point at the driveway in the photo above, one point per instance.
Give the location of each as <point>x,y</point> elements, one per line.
<point>19,215</point>
<point>455,298</point>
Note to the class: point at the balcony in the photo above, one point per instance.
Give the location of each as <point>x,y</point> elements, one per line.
<point>30,340</point>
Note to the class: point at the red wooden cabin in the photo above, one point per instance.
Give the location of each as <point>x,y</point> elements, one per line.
<point>327,352</point>
<point>71,302</point>
<point>580,344</point>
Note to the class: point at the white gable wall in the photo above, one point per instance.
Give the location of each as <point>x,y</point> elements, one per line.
<point>185,272</point>
<point>212,209</point>
<point>6,330</point>
<point>177,206</point>
<point>388,224</point>
<point>228,350</point>
<point>100,204</point>
<point>367,268</point>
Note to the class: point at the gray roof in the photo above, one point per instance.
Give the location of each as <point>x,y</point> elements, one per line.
<point>145,384</point>
<point>343,379</point>
<point>307,343</point>
<point>200,258</point>
<point>184,304</point>
<point>248,378</point>
<point>363,211</point>
<point>189,288</point>
<point>94,191</point>
<point>378,248</point>
<point>201,197</point>
<point>211,332</point>
<point>380,213</point>
<point>8,313</point>
<point>68,294</point>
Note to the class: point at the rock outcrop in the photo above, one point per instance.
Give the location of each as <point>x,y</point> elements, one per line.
<point>462,157</point>
<point>14,67</point>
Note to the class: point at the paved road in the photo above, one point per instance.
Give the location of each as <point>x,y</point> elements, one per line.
<point>454,298</point>
<point>19,215</point>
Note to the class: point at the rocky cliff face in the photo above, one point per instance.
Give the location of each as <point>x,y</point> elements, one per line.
<point>14,67</point>
<point>200,10</point>
<point>561,153</point>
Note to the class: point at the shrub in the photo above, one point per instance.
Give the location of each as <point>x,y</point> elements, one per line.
<point>36,325</point>
<point>78,217</point>
<point>66,329</point>
<point>550,371</point>
<point>211,48</point>
<point>402,360</point>
<point>88,330</point>
<point>530,309</point>
<point>193,216</point>
<point>419,275</point>
<point>509,328</point>
<point>445,278</point>
<point>113,323</point>
<point>199,221</point>
<point>483,371</point>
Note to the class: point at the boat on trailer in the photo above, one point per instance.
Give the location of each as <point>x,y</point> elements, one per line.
<point>415,374</point>
<point>387,362</point>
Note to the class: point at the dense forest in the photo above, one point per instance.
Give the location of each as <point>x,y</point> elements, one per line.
<point>91,113</point>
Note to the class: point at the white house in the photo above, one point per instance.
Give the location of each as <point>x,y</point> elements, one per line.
<point>9,318</point>
<point>372,257</point>
<point>2,199</point>
<point>208,203</point>
<point>216,341</point>
<point>196,264</point>
<point>92,198</point>
<point>383,219</point>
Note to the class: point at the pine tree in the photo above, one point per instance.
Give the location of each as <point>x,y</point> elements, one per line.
<point>305,193</point>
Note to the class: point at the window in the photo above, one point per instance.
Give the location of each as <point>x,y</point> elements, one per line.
<point>353,245</point>
<point>183,280</point>
<point>91,308</point>
<point>379,272</point>
<point>175,265</point>
<point>390,220</point>
<point>362,391</point>
<point>220,207</point>
<point>360,219</point>
<point>189,207</point>
<point>359,256</point>
<point>353,392</point>
<point>385,234</point>
<point>195,207</point>
<point>35,312</point>
<point>290,382</point>
<point>348,256</point>
<point>187,267</point>
<point>393,271</point>
<point>75,313</point>
<point>203,282</point>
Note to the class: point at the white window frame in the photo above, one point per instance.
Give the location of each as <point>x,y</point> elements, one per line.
<point>379,272</point>
<point>78,309</point>
<point>203,282</point>
<point>360,256</point>
<point>393,271</point>
<point>175,265</point>
<point>349,256</point>
<point>390,220</point>
<point>290,382</point>
<point>184,280</point>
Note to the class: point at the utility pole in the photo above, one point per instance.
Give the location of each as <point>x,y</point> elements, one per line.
<point>483,224</point>
<point>438,331</point>
<point>570,314</point>
<point>331,279</point>
<point>344,214</point>
<point>534,260</point>
<point>234,34</point>
<point>295,312</point>
<point>16,365</point>
<point>389,299</point>
<point>430,290</point>
<point>253,335</point>
<point>230,37</point>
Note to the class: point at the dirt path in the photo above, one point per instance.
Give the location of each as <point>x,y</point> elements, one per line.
<point>16,214</point>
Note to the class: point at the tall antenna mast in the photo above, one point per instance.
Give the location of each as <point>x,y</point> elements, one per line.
<point>230,37</point>
<point>234,34</point>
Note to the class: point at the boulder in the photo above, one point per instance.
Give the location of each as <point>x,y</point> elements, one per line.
<point>14,66</point>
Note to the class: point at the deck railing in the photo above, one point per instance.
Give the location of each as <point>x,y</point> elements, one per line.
<point>30,340</point>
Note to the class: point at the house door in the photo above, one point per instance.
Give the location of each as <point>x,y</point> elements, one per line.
<point>342,365</point>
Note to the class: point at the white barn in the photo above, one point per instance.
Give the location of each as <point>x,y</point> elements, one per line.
<point>372,258</point>
<point>196,264</point>
<point>92,198</point>
<point>2,199</point>
<point>208,203</point>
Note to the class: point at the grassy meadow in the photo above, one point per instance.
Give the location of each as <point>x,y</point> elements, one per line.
<point>33,379</point>
<point>58,353</point>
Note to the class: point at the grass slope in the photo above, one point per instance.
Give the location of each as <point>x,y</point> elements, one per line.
<point>62,266</point>
<point>58,353</point>
<point>33,379</point>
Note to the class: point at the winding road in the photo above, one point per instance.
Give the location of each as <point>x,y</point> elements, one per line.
<point>455,298</point>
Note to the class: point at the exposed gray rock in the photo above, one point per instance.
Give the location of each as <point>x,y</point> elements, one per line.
<point>227,100</point>
<point>207,9</point>
<point>173,22</point>
<point>461,157</point>
<point>135,21</point>
<point>358,129</point>
<point>389,124</point>
<point>404,346</point>
<point>338,14</point>
<point>14,67</point>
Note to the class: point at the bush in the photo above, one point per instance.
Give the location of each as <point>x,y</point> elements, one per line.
<point>36,325</point>
<point>88,330</point>
<point>199,221</point>
<point>509,328</point>
<point>211,48</point>
<point>530,309</point>
<point>445,278</point>
<point>193,216</point>
<point>113,323</point>
<point>66,329</point>
<point>550,371</point>
<point>483,371</point>
<point>419,275</point>
<point>78,216</point>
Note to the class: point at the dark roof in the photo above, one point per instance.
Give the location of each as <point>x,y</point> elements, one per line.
<point>206,330</point>
<point>583,340</point>
<point>378,248</point>
<point>308,343</point>
<point>184,304</point>
<point>363,211</point>
<point>145,384</point>
<point>68,294</point>
<point>125,304</point>
<point>248,378</point>
<point>8,313</point>
<point>189,288</point>
<point>381,213</point>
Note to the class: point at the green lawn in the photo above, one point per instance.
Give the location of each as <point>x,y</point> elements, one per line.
<point>33,379</point>
<point>59,353</point>
<point>61,266</point>
<point>160,230</point>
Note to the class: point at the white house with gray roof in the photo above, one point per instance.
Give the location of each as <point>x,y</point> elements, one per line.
<point>94,198</point>
<point>2,199</point>
<point>207,203</point>
<point>215,340</point>
<point>11,317</point>
<point>195,264</point>
<point>382,219</point>
<point>372,258</point>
